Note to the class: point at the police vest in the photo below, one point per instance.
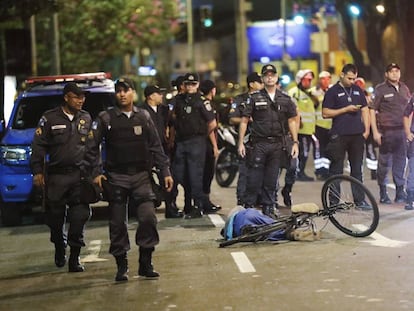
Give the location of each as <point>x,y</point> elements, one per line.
<point>306,109</point>
<point>126,143</point>
<point>189,121</point>
<point>268,116</point>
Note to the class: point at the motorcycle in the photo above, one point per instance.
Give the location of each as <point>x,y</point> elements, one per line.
<point>227,164</point>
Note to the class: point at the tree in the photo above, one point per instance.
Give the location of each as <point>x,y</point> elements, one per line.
<point>384,33</point>
<point>91,31</point>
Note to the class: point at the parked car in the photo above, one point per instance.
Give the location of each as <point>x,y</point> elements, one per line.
<point>17,193</point>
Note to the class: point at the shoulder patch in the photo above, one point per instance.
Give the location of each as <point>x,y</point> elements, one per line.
<point>208,105</point>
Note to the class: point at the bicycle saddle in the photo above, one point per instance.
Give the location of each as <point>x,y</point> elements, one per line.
<point>310,208</point>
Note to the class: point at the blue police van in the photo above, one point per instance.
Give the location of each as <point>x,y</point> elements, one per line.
<point>17,193</point>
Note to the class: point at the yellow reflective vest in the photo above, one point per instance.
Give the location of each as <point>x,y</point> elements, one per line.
<point>320,121</point>
<point>306,109</point>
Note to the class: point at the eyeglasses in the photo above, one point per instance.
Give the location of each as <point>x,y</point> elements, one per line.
<point>190,83</point>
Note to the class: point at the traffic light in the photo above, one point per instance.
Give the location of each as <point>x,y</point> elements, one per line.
<point>206,15</point>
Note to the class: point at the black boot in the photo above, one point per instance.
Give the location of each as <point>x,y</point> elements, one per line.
<point>270,211</point>
<point>303,177</point>
<point>145,263</point>
<point>410,201</point>
<point>196,212</point>
<point>384,198</point>
<point>122,264</point>
<point>400,195</point>
<point>74,264</point>
<point>60,255</point>
<point>286,193</point>
<point>171,211</point>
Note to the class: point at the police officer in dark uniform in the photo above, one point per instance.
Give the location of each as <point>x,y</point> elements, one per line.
<point>254,83</point>
<point>194,120</point>
<point>62,135</point>
<point>159,114</point>
<point>346,104</point>
<point>390,100</point>
<point>178,83</point>
<point>208,89</point>
<point>274,115</point>
<point>132,147</point>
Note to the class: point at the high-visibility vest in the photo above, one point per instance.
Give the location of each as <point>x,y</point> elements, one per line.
<point>306,109</point>
<point>320,121</point>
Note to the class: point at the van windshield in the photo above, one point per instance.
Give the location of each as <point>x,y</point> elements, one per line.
<point>31,109</point>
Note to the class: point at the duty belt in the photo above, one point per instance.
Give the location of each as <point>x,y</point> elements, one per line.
<point>391,128</point>
<point>62,170</point>
<point>127,170</point>
<point>270,139</point>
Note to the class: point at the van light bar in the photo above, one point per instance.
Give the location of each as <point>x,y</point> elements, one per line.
<point>71,77</point>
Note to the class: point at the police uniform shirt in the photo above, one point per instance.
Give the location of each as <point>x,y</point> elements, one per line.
<point>62,139</point>
<point>408,111</point>
<point>159,117</point>
<point>145,127</point>
<point>336,97</point>
<point>268,115</point>
<point>238,105</point>
<point>390,104</point>
<point>192,114</point>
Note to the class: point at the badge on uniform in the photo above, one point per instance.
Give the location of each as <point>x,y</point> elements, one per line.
<point>138,130</point>
<point>39,131</point>
<point>208,106</point>
<point>188,109</point>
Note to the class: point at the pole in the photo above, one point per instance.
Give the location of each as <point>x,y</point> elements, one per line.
<point>33,44</point>
<point>190,35</point>
<point>242,61</point>
<point>283,15</point>
<point>56,39</point>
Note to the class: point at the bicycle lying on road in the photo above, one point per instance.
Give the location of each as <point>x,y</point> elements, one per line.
<point>346,202</point>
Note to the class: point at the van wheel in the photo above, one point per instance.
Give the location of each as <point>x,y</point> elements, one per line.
<point>11,214</point>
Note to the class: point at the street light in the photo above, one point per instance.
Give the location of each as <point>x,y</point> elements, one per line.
<point>380,8</point>
<point>355,11</point>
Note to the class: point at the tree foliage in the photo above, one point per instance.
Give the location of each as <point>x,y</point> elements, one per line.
<point>376,26</point>
<point>93,31</point>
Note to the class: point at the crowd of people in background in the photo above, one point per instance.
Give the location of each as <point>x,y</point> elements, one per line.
<point>337,122</point>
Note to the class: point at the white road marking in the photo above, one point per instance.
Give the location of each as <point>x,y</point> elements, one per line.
<point>93,251</point>
<point>380,240</point>
<point>242,262</point>
<point>217,220</point>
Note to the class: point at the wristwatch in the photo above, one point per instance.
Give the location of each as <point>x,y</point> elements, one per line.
<point>296,142</point>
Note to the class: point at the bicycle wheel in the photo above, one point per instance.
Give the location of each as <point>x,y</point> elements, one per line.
<point>257,233</point>
<point>350,206</point>
<point>226,168</point>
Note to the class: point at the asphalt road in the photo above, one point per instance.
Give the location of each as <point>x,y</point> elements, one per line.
<point>337,272</point>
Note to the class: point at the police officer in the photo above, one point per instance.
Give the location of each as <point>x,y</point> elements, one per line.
<point>62,136</point>
<point>159,114</point>
<point>208,89</point>
<point>132,147</point>
<point>409,132</point>
<point>274,115</point>
<point>254,83</point>
<point>389,103</point>
<point>178,83</point>
<point>345,103</point>
<point>194,121</point>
